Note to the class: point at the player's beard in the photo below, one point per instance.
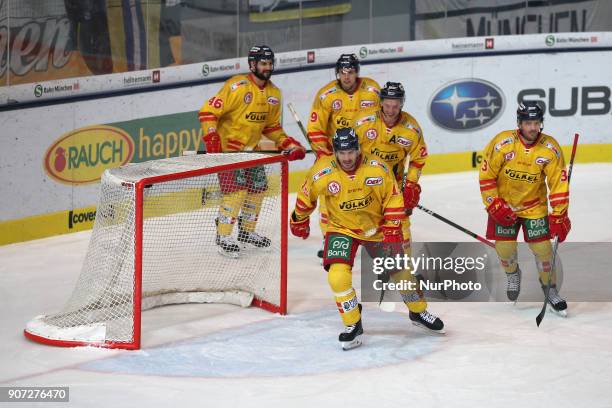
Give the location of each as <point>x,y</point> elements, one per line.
<point>263,75</point>
<point>531,136</point>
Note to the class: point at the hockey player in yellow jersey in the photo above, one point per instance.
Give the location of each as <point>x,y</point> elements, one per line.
<point>394,136</point>
<point>517,167</point>
<point>365,208</point>
<point>336,105</point>
<point>247,107</point>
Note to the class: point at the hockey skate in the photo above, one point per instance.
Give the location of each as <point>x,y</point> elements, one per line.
<point>427,321</point>
<point>350,338</point>
<point>226,246</point>
<point>246,238</point>
<point>513,288</point>
<point>557,304</point>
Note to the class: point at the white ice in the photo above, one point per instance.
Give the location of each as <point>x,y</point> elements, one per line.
<point>493,354</point>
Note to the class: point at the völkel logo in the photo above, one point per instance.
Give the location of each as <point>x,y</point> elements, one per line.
<point>467,104</point>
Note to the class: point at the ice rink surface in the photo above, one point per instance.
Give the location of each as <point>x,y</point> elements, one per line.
<point>492,355</point>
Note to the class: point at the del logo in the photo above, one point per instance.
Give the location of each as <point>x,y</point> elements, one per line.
<point>272,100</point>
<point>403,141</point>
<point>373,181</point>
<point>366,104</point>
<point>371,134</point>
<point>81,156</point>
<point>333,187</point>
<point>521,176</point>
<point>553,148</point>
<point>466,105</point>
<point>356,204</point>
<point>337,104</point>
<point>542,160</point>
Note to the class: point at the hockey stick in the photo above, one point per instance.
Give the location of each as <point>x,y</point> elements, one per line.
<point>300,124</point>
<point>540,316</point>
<point>457,226</point>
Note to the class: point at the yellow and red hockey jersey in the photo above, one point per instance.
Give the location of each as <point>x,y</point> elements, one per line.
<point>242,112</point>
<point>357,204</point>
<point>520,173</point>
<point>333,108</point>
<point>394,145</point>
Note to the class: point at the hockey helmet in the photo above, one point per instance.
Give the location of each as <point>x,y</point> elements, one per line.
<point>345,139</point>
<point>529,110</point>
<point>347,61</point>
<point>393,90</point>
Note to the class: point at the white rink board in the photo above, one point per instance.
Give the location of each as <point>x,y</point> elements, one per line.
<point>28,191</point>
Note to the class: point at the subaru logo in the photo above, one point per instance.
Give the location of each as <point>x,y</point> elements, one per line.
<point>467,104</point>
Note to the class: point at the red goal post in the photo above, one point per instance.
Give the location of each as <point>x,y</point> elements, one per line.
<point>153,244</point>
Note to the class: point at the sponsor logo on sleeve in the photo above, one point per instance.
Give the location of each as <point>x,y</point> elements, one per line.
<point>504,142</point>
<point>321,173</point>
<point>554,149</point>
<point>328,92</point>
<point>238,84</point>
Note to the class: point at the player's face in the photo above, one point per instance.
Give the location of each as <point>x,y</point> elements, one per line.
<point>265,68</point>
<point>391,109</point>
<point>530,129</point>
<point>348,159</point>
<point>348,79</point>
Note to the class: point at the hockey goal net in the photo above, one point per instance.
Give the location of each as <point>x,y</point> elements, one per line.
<point>154,243</point>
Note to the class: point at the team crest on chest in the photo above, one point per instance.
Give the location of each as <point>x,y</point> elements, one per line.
<point>333,187</point>
<point>509,156</point>
<point>337,104</point>
<point>371,134</point>
<point>248,97</point>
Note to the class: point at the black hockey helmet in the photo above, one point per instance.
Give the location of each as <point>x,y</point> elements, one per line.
<point>347,61</point>
<point>529,110</point>
<point>260,53</point>
<point>393,90</point>
<point>345,139</point>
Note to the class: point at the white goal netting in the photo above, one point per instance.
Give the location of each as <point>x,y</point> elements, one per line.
<point>179,221</point>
